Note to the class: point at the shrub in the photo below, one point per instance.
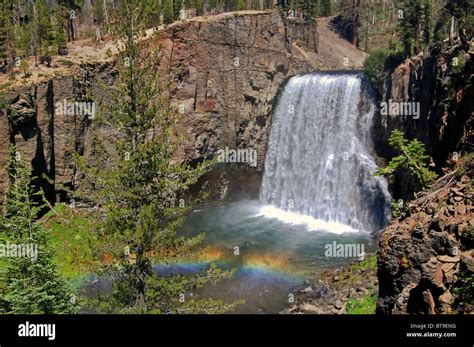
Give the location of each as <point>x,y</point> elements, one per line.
<point>378,65</point>
<point>411,159</point>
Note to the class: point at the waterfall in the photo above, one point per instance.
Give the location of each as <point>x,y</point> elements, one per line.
<point>318,167</point>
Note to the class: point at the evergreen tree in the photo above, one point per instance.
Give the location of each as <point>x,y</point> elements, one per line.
<point>427,22</point>
<point>461,13</point>
<point>69,10</point>
<point>167,11</point>
<point>309,8</point>
<point>153,9</point>
<point>30,284</point>
<point>409,26</point>
<point>138,194</point>
<point>24,39</point>
<point>411,159</point>
<point>177,6</point>
<point>7,37</point>
<point>350,12</point>
<point>42,29</point>
<point>325,8</point>
<point>379,64</point>
<point>57,38</point>
<point>4,22</point>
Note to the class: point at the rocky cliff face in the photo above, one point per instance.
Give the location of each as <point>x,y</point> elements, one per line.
<point>440,79</point>
<point>46,138</point>
<point>231,68</point>
<point>425,263</point>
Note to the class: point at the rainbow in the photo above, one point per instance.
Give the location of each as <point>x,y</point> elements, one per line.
<point>262,262</point>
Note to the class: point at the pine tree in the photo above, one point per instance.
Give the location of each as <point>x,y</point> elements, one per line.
<point>30,284</point>
<point>57,38</point>
<point>351,17</point>
<point>4,20</point>
<point>325,8</point>
<point>411,159</point>
<point>461,13</point>
<point>427,22</point>
<point>410,27</point>
<point>23,34</point>
<point>153,9</point>
<point>69,10</point>
<point>7,37</point>
<point>138,194</point>
<point>167,11</point>
<point>177,5</point>
<point>42,29</point>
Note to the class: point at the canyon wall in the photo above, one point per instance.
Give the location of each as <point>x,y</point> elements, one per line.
<point>46,139</point>
<point>425,264</point>
<point>231,68</point>
<point>440,79</point>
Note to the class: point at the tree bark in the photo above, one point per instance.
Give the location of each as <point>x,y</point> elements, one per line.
<point>355,22</point>
<point>452,29</point>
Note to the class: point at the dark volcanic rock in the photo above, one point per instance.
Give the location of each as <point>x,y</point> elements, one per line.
<point>429,275</point>
<point>335,290</point>
<point>445,93</point>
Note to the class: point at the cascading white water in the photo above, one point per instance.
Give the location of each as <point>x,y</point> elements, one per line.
<point>318,168</point>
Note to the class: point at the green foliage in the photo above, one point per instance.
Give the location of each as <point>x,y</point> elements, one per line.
<point>469,25</point>
<point>464,288</point>
<point>395,208</point>
<point>5,26</point>
<point>310,9</point>
<point>7,37</point>
<point>167,11</point>
<point>138,192</point>
<point>365,305</point>
<point>177,6</point>
<point>152,8</point>
<point>325,8</point>
<point>379,64</point>
<point>369,263</point>
<point>239,5</point>
<point>463,10</point>
<point>43,34</point>
<point>411,159</point>
<point>427,12</point>
<point>29,284</point>
<point>24,67</point>
<point>44,27</point>
<point>75,244</point>
<point>3,102</point>
<point>409,26</point>
<point>458,69</point>
<point>421,22</point>
<point>65,62</point>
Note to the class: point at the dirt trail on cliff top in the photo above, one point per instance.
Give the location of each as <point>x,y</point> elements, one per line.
<point>90,51</point>
<point>333,50</point>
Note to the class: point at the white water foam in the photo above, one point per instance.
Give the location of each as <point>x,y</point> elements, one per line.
<point>313,224</point>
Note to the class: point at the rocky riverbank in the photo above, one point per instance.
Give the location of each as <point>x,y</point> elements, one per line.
<point>426,263</point>
<point>350,289</point>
